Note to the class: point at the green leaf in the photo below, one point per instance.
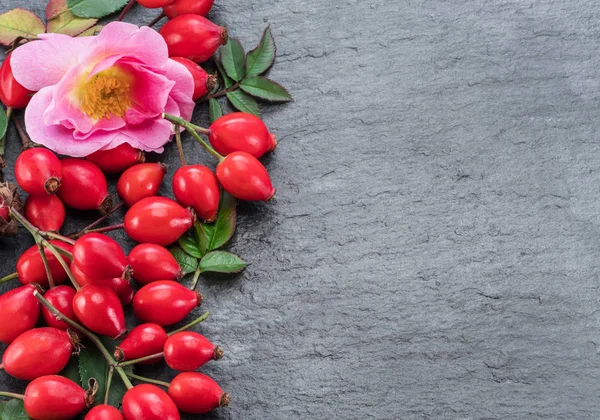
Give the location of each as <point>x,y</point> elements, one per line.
<point>93,31</point>
<point>13,410</point>
<point>221,231</point>
<point>222,262</point>
<point>3,122</point>
<point>243,102</point>
<point>92,364</point>
<point>187,263</point>
<point>214,110</point>
<point>19,23</point>
<point>260,59</point>
<point>189,244</point>
<point>201,239</point>
<point>71,371</point>
<point>226,79</point>
<point>95,8</point>
<point>62,21</point>
<point>263,88</point>
<point>233,59</point>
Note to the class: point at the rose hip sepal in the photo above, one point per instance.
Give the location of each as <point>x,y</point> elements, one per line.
<point>30,266</point>
<point>100,257</point>
<point>144,340</point>
<point>12,93</point>
<point>140,181</point>
<point>188,350</point>
<point>38,352</point>
<point>151,262</point>
<point>157,220</point>
<point>55,397</point>
<point>241,132</point>
<point>193,37</point>
<point>38,171</point>
<point>164,302</point>
<point>196,393</point>
<point>203,82</point>
<point>84,186</point>
<point>148,402</point>
<point>61,297</point>
<point>244,177</point>
<point>45,212</point>
<point>104,412</point>
<point>197,187</point>
<point>19,312</point>
<point>98,308</point>
<point>116,160</point>
<point>184,7</point>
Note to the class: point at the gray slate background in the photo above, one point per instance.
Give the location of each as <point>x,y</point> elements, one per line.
<point>433,250</point>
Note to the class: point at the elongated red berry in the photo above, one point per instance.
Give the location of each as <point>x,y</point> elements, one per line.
<point>38,171</point>
<point>144,340</point>
<point>151,262</point>
<point>241,132</point>
<point>12,93</point>
<point>148,402</point>
<point>197,187</point>
<point>184,7</point>
<point>188,350</point>
<point>84,186</point>
<point>157,220</point>
<point>30,266</point>
<point>196,393</point>
<point>61,297</point>
<point>45,212</point>
<point>203,82</point>
<point>19,310</point>
<point>164,302</point>
<point>193,37</point>
<point>38,352</point>
<point>116,160</point>
<point>121,286</point>
<point>100,257</point>
<point>244,177</point>
<point>140,181</point>
<point>99,309</point>
<point>154,4</point>
<point>54,397</point>
<point>104,412</point>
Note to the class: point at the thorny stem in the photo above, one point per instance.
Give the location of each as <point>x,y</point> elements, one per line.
<point>195,279</point>
<point>220,93</point>
<point>12,395</point>
<point>156,20</point>
<point>9,112</point>
<point>46,265</point>
<point>179,145</point>
<point>191,324</point>
<point>100,220</point>
<point>10,277</point>
<point>25,140</point>
<point>107,228</point>
<point>141,359</point>
<point>144,379</point>
<point>126,10</point>
<point>108,382</point>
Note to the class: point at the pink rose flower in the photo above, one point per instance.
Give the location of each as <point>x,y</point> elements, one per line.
<point>95,93</point>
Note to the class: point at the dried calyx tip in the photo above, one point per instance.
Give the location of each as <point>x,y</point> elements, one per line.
<point>218,353</point>
<point>52,185</point>
<point>119,355</point>
<point>200,298</point>
<point>224,400</point>
<point>211,82</point>
<point>106,204</point>
<point>224,36</point>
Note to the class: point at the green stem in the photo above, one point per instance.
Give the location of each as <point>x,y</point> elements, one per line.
<point>150,381</point>
<point>180,121</point>
<point>220,93</point>
<point>204,144</point>
<point>107,228</point>
<point>179,145</point>
<point>12,395</point>
<point>141,359</point>
<point>10,277</point>
<point>191,324</point>
<point>195,279</point>
<point>25,140</point>
<point>46,265</point>
<point>124,377</point>
<point>108,383</point>
<point>54,235</point>
<point>55,251</point>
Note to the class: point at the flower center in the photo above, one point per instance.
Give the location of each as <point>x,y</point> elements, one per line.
<point>106,94</point>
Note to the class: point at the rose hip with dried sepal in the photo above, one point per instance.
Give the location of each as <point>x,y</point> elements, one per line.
<point>61,297</point>
<point>244,177</point>
<point>196,393</point>
<point>188,350</point>
<point>12,93</point>
<point>165,302</point>
<point>116,160</point>
<point>84,186</point>
<point>184,7</point>
<point>193,37</point>
<point>144,340</point>
<point>30,266</point>
<point>203,82</point>
<point>148,402</point>
<point>197,187</point>
<point>19,310</point>
<point>38,171</point>
<point>99,309</point>
<point>104,412</point>
<point>241,132</point>
<point>100,257</point>
<point>45,212</point>
<point>55,397</point>
<point>140,181</point>
<point>151,262</point>
<point>121,286</point>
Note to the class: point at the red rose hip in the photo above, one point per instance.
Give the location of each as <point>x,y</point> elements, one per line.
<point>151,262</point>
<point>188,350</point>
<point>54,397</point>
<point>193,37</point>
<point>148,402</point>
<point>104,412</point>
<point>197,187</point>
<point>84,186</point>
<point>38,171</point>
<point>99,309</point>
<point>241,132</point>
<point>154,4</point>
<point>45,212</point>
<point>12,93</point>
<point>100,257</point>
<point>61,297</point>
<point>203,82</point>
<point>140,181</point>
<point>19,310</point>
<point>164,302</point>
<point>244,177</point>
<point>30,266</point>
<point>196,393</point>
<point>116,160</point>
<point>121,286</point>
<point>184,7</point>
<point>144,340</point>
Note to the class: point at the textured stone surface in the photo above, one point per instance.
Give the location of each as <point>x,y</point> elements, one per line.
<point>433,250</point>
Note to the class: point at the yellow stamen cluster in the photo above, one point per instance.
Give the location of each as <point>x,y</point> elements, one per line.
<point>106,94</point>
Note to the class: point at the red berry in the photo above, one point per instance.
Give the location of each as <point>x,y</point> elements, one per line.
<point>12,93</point>
<point>148,402</point>
<point>84,186</point>
<point>19,310</point>
<point>104,412</point>
<point>4,210</point>
<point>196,186</point>
<point>144,340</point>
<point>30,266</point>
<point>99,309</point>
<point>184,7</point>
<point>140,181</point>
<point>61,297</point>
<point>38,171</point>
<point>164,302</point>
<point>241,132</point>
<point>203,82</point>
<point>116,160</point>
<point>157,220</point>
<point>154,4</point>
<point>189,350</point>
<point>38,352</point>
<point>193,37</point>
<point>244,177</point>
<point>196,393</point>
<point>45,212</point>
<point>121,286</point>
<point>151,262</point>
<point>100,257</point>
<point>54,397</point>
